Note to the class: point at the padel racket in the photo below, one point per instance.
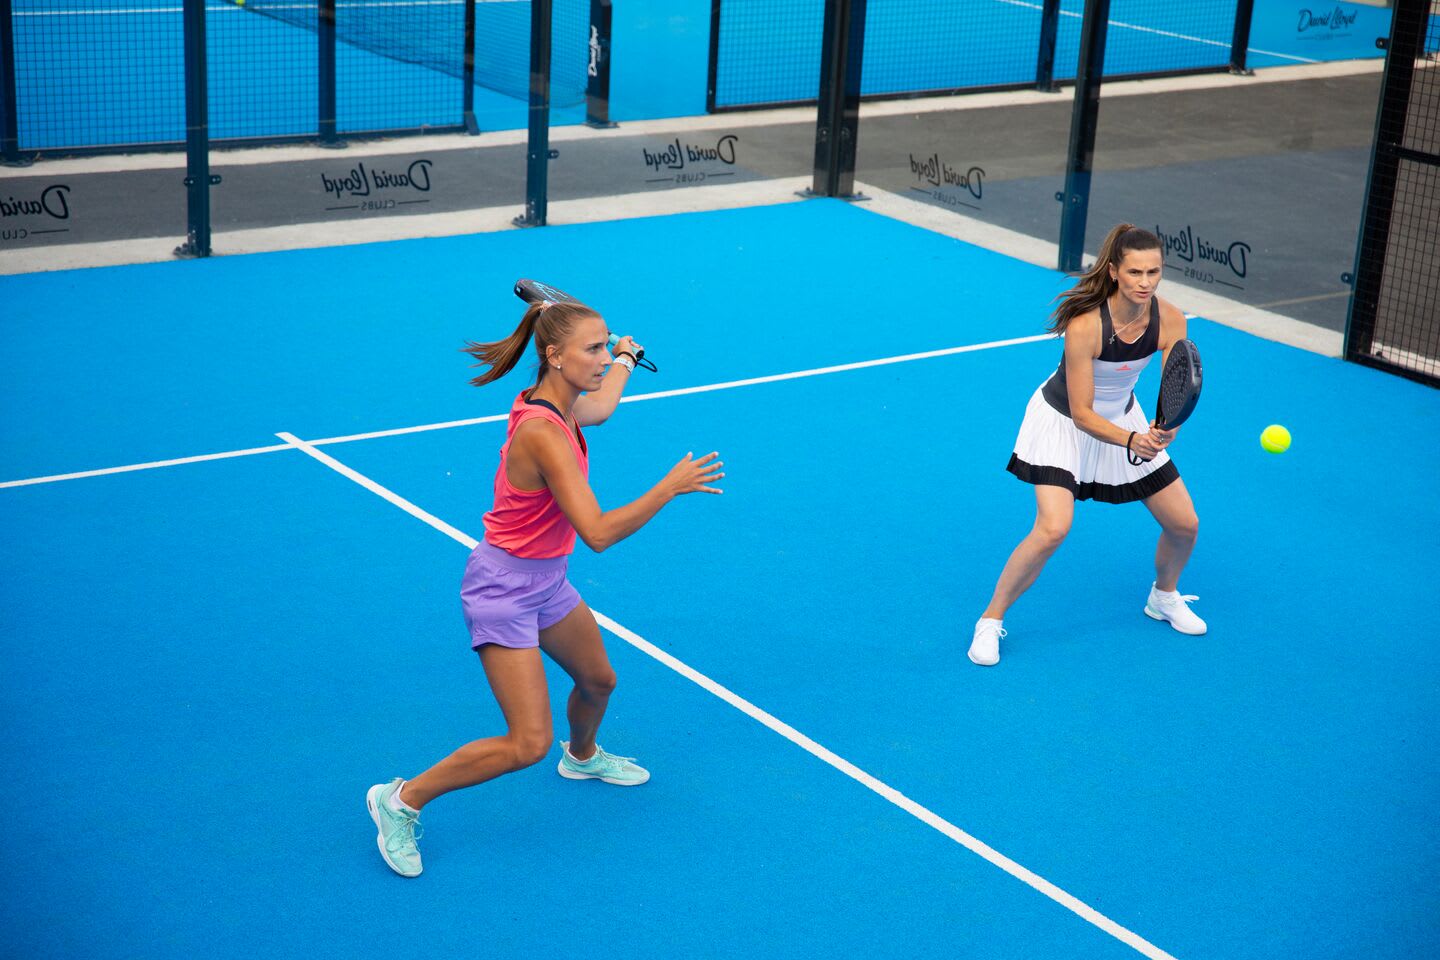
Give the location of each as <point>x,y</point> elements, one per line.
<point>1180,383</point>
<point>533,291</point>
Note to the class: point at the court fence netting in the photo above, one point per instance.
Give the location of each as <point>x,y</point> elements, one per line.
<point>766,53</point>
<point>1394,321</point>
<point>110,76</point>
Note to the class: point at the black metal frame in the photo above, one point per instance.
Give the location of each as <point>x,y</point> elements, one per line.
<point>1084,118</point>
<point>1240,40</point>
<point>538,153</point>
<point>597,86</point>
<point>467,101</point>
<point>9,110</point>
<point>198,179</point>
<point>837,124</point>
<point>1408,29</point>
<point>325,54</point>
<point>1045,49</point>
<point>712,68</point>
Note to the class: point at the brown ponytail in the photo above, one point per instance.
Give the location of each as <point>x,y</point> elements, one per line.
<point>549,323</point>
<point>1096,285</point>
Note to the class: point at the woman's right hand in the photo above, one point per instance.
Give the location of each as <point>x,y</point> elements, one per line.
<point>1147,446</point>
<point>694,476</point>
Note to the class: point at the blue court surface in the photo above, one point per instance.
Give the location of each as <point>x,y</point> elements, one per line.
<point>203,666</point>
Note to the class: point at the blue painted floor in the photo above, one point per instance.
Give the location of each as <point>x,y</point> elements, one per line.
<point>204,666</point>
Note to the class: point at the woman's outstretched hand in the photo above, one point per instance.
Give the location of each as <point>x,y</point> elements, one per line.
<point>695,476</point>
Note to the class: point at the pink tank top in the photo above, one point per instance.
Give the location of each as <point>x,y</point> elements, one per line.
<point>529,523</point>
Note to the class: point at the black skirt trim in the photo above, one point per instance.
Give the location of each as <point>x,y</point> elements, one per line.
<point>1146,486</point>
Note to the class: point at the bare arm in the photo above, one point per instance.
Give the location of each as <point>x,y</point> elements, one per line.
<point>1082,346</point>
<point>544,446</point>
<point>595,408</point>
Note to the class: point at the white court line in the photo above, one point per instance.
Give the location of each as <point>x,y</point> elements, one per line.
<point>923,814</point>
<point>1163,33</point>
<point>495,418</point>
<point>261,8</point>
<point>154,464</point>
<point>293,441</point>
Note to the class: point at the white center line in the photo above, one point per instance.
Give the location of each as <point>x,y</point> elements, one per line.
<point>496,418</point>
<point>920,812</point>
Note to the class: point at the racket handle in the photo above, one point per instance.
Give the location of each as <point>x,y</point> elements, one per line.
<point>639,354</point>
<point>615,339</point>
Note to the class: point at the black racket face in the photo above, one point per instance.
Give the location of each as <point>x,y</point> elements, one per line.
<point>1180,383</point>
<point>532,291</point>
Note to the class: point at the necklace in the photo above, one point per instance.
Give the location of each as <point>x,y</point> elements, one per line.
<point>1115,331</point>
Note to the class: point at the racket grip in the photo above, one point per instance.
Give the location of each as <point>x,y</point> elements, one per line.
<point>615,338</point>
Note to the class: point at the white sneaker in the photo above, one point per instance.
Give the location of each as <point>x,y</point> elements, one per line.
<point>1174,608</point>
<point>985,648</point>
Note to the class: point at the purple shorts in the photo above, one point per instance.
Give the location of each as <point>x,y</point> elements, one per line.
<point>508,600</point>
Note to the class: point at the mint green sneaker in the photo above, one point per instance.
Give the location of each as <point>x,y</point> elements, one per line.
<point>398,831</point>
<point>621,771</point>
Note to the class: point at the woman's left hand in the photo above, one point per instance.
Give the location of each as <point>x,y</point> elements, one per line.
<point>1161,437</point>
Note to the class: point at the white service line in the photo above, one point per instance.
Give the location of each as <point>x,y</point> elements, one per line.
<point>379,491</point>
<point>496,418</point>
<point>921,813</point>
<point>1163,33</point>
<point>144,466</point>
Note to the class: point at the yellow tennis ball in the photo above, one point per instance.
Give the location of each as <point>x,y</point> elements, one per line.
<point>1275,438</point>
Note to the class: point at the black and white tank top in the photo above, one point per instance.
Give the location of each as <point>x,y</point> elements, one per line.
<point>1116,369</point>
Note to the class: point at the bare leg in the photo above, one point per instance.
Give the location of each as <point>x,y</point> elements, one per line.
<point>1054,510</point>
<point>517,678</point>
<point>574,643</point>
<point>1179,526</point>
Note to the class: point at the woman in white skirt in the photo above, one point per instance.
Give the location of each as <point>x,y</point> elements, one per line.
<point>1085,437</point>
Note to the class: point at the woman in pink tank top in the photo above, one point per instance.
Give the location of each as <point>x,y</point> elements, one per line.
<point>515,594</point>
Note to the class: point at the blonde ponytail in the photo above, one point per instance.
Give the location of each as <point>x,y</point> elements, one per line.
<point>549,323</point>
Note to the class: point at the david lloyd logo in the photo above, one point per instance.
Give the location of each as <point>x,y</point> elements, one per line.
<point>932,172</point>
<point>52,203</point>
<point>1336,19</point>
<point>363,182</point>
<point>676,155</point>
<point>1188,248</point>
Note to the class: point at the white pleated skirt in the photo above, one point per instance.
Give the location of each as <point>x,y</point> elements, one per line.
<point>1050,450</point>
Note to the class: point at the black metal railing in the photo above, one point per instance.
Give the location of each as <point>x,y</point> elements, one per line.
<point>1394,320</point>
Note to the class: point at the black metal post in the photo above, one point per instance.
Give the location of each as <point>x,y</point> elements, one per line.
<point>1083,119</point>
<point>597,86</point>
<point>539,154</point>
<point>714,66</point>
<point>467,100</point>
<point>9,116</point>
<point>325,33</point>
<point>1407,32</point>
<point>837,124</point>
<point>1240,43</point>
<point>197,136</point>
<point>1045,58</point>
